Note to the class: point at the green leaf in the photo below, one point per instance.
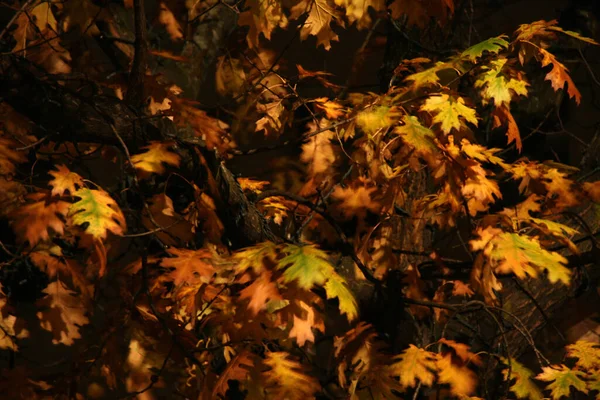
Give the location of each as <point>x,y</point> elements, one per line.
<point>496,86</point>
<point>417,135</point>
<point>450,111</point>
<point>561,379</point>
<point>98,211</point>
<point>493,45</point>
<point>523,387</point>
<point>308,266</point>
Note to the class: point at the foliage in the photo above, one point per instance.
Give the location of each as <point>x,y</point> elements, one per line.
<point>168,274</point>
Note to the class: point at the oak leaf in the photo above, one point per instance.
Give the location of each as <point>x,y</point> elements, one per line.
<point>492,45</point>
<point>450,112</point>
<point>308,266</point>
<point>559,75</point>
<point>11,328</point>
<point>65,181</point>
<point>260,291</point>
<point>156,154</point>
<point>33,220</point>
<point>237,369</point>
<point>263,16</point>
<point>318,23</point>
<point>523,387</point>
<point>586,353</point>
<point>98,212</point>
<point>561,379</point>
<point>415,365</point>
<point>286,378</point>
<point>62,313</point>
<point>188,266</point>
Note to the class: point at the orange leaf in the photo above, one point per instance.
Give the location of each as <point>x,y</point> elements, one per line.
<point>64,180</point>
<point>32,221</point>
<point>188,266</point>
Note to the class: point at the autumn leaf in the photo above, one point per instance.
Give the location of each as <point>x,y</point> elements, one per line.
<point>491,45</point>
<point>237,369</point>
<point>415,365</point>
<point>332,109</point>
<point>321,13</point>
<point>64,181</point>
<point>11,328</point>
<point>559,75</point>
<point>561,379</point>
<point>427,77</point>
<point>356,200</point>
<point>461,379</point>
<point>302,329</point>
<point>502,115</point>
<point>33,220</point>
<point>498,87</point>
<point>422,139</point>
<point>318,152</point>
<point>521,255</point>
<point>98,212</point>
<point>308,266</point>
<point>586,353</point>
<point>62,313</point>
<point>462,351</point>
<point>254,257</point>
<point>260,291</point>
<point>188,266</point>
<point>523,387</point>
<point>262,17</point>
<point>372,119</point>
<point>449,112</point>
<point>156,154</point>
<point>286,378</point>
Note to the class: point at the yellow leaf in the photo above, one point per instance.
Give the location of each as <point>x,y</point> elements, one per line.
<point>263,17</point>
<point>449,112</point>
<point>415,364</point>
<point>586,353</point>
<point>521,255</point>
<point>156,154</point>
<point>320,15</point>
<point>287,380</point>
<point>523,386</point>
<point>422,139</point>
<point>11,328</point>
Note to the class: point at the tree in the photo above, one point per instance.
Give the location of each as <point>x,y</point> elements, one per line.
<point>144,267</point>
